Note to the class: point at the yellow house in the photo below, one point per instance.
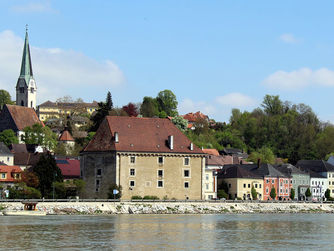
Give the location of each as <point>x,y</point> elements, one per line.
<point>240,181</point>
<point>57,109</point>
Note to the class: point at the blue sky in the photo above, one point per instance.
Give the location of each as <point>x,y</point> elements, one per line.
<point>214,55</point>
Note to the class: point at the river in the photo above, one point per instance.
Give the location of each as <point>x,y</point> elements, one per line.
<point>169,232</point>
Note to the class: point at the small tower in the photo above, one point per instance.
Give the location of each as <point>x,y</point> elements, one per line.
<point>26,85</point>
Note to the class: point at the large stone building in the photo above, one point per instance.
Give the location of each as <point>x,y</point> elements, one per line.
<point>146,156</point>
<point>26,86</point>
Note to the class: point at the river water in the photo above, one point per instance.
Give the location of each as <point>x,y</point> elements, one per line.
<point>169,232</point>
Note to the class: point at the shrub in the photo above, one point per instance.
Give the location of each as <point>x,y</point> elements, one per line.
<point>136,197</point>
<point>150,197</point>
<point>222,194</point>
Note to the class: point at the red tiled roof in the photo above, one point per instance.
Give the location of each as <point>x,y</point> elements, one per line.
<point>211,151</point>
<point>23,116</point>
<point>139,135</point>
<point>193,117</point>
<point>213,160</point>
<point>9,170</point>
<point>70,168</point>
<point>66,136</point>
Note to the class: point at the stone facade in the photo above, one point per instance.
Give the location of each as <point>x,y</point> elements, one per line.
<point>142,174</point>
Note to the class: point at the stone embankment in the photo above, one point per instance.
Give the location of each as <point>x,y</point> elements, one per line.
<point>94,208</point>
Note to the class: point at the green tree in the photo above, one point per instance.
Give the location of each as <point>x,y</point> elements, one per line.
<point>265,155</point>
<point>167,102</point>
<point>273,193</point>
<point>5,99</point>
<point>8,137</point>
<point>328,194</point>
<point>40,135</point>
<point>149,107</point>
<point>180,123</point>
<point>48,172</point>
<point>308,193</point>
<point>103,111</point>
<point>111,189</point>
<point>254,193</point>
<point>272,105</point>
<point>79,186</point>
<point>222,194</point>
<point>292,194</point>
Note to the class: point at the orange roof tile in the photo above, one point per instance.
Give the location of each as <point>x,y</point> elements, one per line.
<point>9,170</point>
<point>211,151</point>
<point>66,136</point>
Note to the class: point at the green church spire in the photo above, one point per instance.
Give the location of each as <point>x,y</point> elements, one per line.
<point>26,67</point>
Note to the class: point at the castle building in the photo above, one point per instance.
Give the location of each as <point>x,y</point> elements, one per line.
<point>26,85</point>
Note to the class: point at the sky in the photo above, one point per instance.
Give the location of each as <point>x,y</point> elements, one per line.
<point>213,55</point>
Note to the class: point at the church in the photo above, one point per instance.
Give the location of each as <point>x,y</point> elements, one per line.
<point>21,115</point>
<point>26,89</point>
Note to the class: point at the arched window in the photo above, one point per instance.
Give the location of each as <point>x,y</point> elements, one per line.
<point>22,103</point>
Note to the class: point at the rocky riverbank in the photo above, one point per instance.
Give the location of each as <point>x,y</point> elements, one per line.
<point>95,208</point>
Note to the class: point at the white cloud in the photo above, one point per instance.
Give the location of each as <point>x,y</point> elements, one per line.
<point>289,38</point>
<point>300,78</point>
<point>187,105</point>
<point>56,71</point>
<point>236,100</point>
<point>43,6</point>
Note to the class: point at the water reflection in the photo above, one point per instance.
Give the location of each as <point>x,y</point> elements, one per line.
<point>169,232</point>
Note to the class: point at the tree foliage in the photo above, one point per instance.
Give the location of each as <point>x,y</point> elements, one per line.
<point>308,193</point>
<point>264,154</point>
<point>328,194</point>
<point>40,135</point>
<point>292,194</point>
<point>167,103</point>
<point>103,111</point>
<point>149,107</point>
<point>47,172</point>
<point>5,98</point>
<point>254,193</point>
<point>180,123</point>
<point>8,137</point>
<point>273,193</point>
<point>131,109</point>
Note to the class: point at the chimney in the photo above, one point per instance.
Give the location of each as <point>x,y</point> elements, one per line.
<point>116,137</point>
<point>258,163</point>
<point>171,142</point>
<point>191,146</point>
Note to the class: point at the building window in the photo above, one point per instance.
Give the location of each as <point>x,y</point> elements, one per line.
<point>207,186</point>
<point>207,176</point>
<point>132,183</point>
<point>267,181</point>
<point>132,159</point>
<point>160,173</point>
<point>286,190</point>
<point>132,172</point>
<point>160,183</point>
<point>186,161</point>
<point>260,185</point>
<point>186,184</point>
<point>160,160</point>
<point>7,158</point>
<point>281,190</point>
<point>322,183</point>
<point>267,190</point>
<point>21,89</point>
<point>244,185</point>
<point>32,90</point>
<point>229,185</point>
<point>99,172</point>
<point>272,181</point>
<point>255,185</point>
<point>332,191</point>
<point>248,185</point>
<point>312,182</point>
<point>3,176</point>
<point>186,173</point>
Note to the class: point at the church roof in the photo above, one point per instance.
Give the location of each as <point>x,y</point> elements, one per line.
<point>17,118</point>
<point>26,66</point>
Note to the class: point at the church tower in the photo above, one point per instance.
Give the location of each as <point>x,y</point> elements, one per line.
<point>26,85</point>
